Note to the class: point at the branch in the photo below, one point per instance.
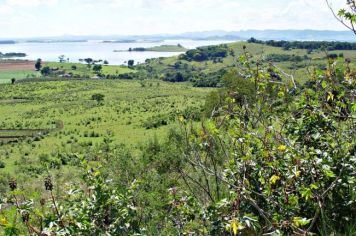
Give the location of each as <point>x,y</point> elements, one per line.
<point>352,28</point>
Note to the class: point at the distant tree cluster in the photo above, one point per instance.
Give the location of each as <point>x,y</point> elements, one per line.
<point>209,80</point>
<point>309,45</point>
<point>137,49</point>
<point>12,54</point>
<point>285,57</point>
<point>126,76</point>
<point>206,53</point>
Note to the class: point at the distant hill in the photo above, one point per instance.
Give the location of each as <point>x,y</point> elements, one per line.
<point>289,35</point>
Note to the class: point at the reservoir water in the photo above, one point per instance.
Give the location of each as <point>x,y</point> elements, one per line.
<point>99,50</point>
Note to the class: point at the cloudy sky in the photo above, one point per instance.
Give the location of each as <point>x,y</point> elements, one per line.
<point>27,18</point>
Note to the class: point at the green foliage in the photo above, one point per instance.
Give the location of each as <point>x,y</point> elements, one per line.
<point>348,16</point>
<point>162,48</point>
<point>206,53</point>
<point>156,121</point>
<point>12,54</point>
<point>97,68</point>
<point>130,63</point>
<point>310,45</point>
<point>285,57</point>
<point>98,97</point>
<point>45,71</point>
<point>38,64</point>
<point>276,164</point>
<point>96,209</point>
<point>273,157</point>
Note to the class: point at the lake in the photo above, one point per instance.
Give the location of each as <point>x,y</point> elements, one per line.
<point>99,50</point>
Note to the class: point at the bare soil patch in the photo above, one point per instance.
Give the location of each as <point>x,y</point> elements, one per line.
<point>16,65</point>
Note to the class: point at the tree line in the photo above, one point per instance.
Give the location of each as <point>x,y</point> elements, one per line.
<point>309,45</point>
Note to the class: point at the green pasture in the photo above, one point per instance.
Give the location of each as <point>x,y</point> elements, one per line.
<point>120,117</point>
<point>258,52</point>
<point>167,48</point>
<point>85,70</point>
<point>6,76</point>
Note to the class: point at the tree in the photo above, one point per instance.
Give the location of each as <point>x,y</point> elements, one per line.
<point>279,163</point>
<point>347,16</point>
<point>97,68</point>
<point>89,61</point>
<point>131,63</point>
<point>46,71</point>
<point>106,62</point>
<point>13,80</point>
<point>61,58</point>
<point>38,64</point>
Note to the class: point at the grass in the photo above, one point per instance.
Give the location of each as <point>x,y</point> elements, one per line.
<point>6,76</point>
<point>127,105</point>
<point>167,48</point>
<point>257,51</point>
<point>84,70</point>
<point>123,113</point>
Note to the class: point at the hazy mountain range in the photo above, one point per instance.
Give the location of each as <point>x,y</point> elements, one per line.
<point>290,35</point>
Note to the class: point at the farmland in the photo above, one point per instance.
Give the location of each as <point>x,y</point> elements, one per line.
<point>16,69</point>
<point>122,116</point>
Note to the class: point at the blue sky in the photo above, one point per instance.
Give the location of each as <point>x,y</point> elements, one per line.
<point>27,18</point>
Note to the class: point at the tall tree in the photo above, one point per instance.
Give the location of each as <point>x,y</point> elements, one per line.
<point>131,63</point>
<point>38,64</point>
<point>61,58</point>
<point>89,61</point>
<point>97,68</point>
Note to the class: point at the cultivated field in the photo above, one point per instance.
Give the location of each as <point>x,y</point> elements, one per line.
<point>16,69</point>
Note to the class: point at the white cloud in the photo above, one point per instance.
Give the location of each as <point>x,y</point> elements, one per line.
<point>5,9</point>
<point>30,2</point>
<point>161,16</point>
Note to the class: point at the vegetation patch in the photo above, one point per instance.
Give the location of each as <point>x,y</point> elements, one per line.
<point>162,48</point>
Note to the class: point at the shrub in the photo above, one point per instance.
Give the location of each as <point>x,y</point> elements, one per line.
<point>98,97</point>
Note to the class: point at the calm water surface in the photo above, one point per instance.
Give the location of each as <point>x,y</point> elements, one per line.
<point>98,50</point>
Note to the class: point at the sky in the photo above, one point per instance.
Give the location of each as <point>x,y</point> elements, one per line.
<point>41,18</point>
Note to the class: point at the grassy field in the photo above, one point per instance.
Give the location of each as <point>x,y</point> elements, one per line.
<point>84,70</point>
<point>167,48</point>
<point>132,112</point>
<point>6,76</point>
<point>258,52</point>
<point>127,107</point>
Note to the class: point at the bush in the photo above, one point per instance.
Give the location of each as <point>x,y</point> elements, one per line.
<point>206,53</point>
<point>98,97</point>
<point>156,122</point>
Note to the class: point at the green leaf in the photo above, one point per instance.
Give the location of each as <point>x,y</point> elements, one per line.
<point>300,222</point>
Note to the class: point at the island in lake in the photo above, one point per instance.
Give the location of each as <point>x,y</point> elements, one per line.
<point>7,42</point>
<point>162,48</point>
<point>12,54</point>
<point>132,41</point>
